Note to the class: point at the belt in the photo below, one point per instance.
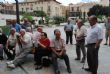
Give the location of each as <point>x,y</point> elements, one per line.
<point>91,44</point>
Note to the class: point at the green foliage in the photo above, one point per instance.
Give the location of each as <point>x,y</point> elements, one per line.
<point>96,10</point>
<point>39,13</point>
<point>47,19</point>
<point>58,20</point>
<point>27,15</point>
<point>6,29</point>
<point>99,10</point>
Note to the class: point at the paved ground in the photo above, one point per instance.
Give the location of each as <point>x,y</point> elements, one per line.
<point>28,67</point>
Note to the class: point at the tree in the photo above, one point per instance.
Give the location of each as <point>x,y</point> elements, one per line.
<point>40,14</point>
<point>58,19</point>
<point>106,11</point>
<point>27,15</point>
<point>96,10</point>
<point>47,19</point>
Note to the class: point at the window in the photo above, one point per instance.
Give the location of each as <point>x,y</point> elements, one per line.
<point>35,2</point>
<point>31,8</point>
<point>27,9</point>
<point>72,8</point>
<point>22,9</point>
<point>77,8</point>
<point>37,8</point>
<point>41,8</point>
<point>49,8</point>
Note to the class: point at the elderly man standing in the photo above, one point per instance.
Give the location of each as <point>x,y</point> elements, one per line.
<point>80,40</point>
<point>59,51</point>
<point>69,32</point>
<point>26,43</point>
<point>26,24</point>
<point>94,39</point>
<point>107,32</point>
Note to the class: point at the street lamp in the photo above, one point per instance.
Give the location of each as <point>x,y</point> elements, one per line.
<point>17,12</point>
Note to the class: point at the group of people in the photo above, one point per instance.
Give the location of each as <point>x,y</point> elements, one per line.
<point>90,38</point>
<point>26,39</point>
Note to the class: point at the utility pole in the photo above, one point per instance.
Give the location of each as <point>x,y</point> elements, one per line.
<point>17,12</point>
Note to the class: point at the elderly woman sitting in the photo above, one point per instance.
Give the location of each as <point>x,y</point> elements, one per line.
<point>26,46</point>
<point>11,44</point>
<point>42,50</point>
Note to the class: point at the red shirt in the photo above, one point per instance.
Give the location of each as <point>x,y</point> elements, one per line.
<point>45,42</point>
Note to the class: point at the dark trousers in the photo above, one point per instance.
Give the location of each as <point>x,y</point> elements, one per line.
<point>39,53</point>
<point>10,55</point>
<point>55,62</point>
<point>69,35</point>
<point>92,58</point>
<point>80,45</point>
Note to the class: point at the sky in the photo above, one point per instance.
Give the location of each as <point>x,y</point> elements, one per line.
<point>64,2</point>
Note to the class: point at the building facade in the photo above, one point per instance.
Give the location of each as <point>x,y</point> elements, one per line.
<point>104,2</point>
<point>6,8</point>
<point>50,7</point>
<point>80,10</point>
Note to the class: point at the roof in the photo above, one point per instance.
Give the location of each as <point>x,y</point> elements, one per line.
<point>38,1</point>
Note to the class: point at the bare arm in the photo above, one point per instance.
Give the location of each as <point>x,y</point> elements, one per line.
<point>98,43</point>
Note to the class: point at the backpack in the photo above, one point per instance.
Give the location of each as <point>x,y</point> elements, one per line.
<point>46,62</point>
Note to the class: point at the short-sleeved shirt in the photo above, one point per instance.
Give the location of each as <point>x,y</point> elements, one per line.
<point>26,25</point>
<point>81,33</point>
<point>28,41</point>
<point>68,27</point>
<point>58,44</point>
<point>17,27</point>
<point>12,40</point>
<point>45,42</point>
<point>94,33</point>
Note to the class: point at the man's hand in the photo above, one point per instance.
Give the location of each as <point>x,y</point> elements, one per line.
<point>96,46</point>
<point>0,45</point>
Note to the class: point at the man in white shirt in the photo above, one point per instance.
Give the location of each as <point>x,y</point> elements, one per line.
<point>94,39</point>
<point>80,40</point>
<point>26,43</point>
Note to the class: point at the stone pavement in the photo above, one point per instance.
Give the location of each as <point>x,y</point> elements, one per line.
<point>28,67</point>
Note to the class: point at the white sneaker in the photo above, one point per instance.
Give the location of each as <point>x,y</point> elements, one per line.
<point>10,62</point>
<point>11,66</point>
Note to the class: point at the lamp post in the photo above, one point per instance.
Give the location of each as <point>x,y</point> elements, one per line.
<point>17,12</point>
